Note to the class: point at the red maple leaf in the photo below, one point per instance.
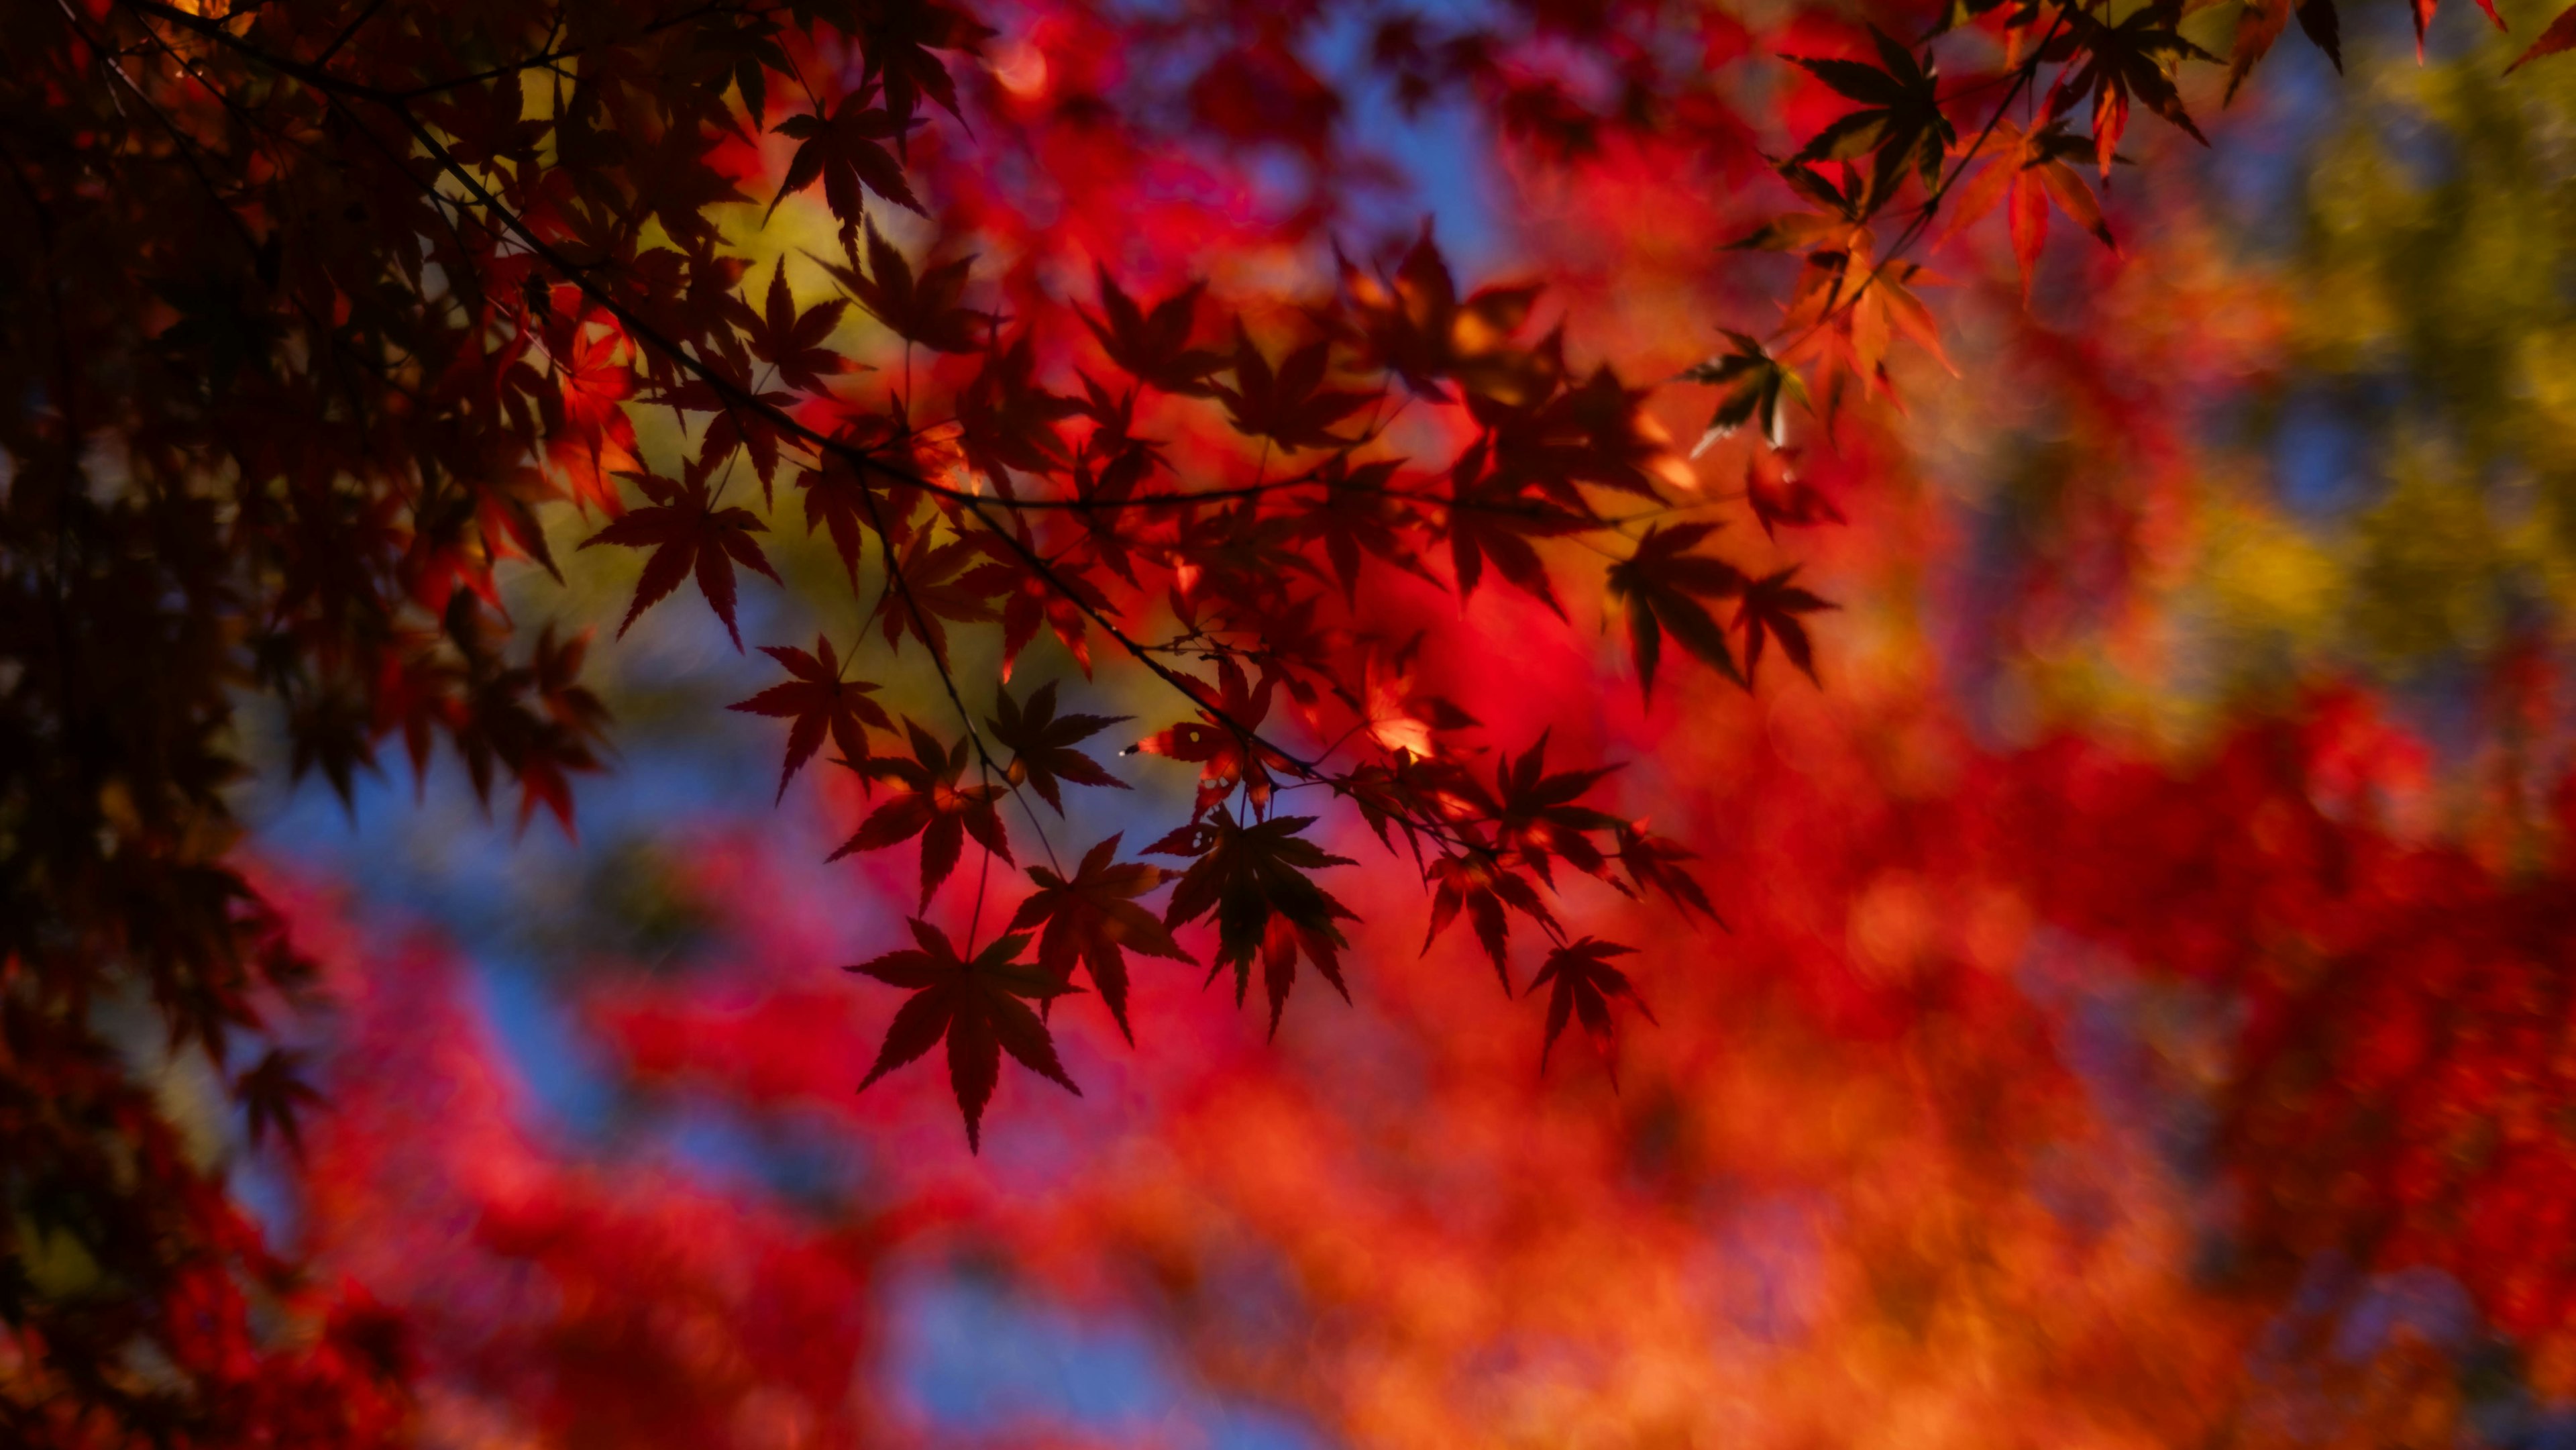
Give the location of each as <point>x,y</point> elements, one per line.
<point>1541,816</point>
<point>1092,918</point>
<point>1154,347</point>
<point>955,581</point>
<point>924,309</point>
<point>272,1093</point>
<point>1415,325</point>
<point>1492,521</point>
<point>842,151</point>
<point>1221,741</point>
<point>1771,605</point>
<point>1008,419</point>
<point>1777,495</point>
<point>820,702</point>
<point>1256,878</point>
<point>1482,888</point>
<point>1042,744</point>
<point>1663,585</point>
<point>1291,407</point>
<point>932,806</point>
<point>1585,983</point>
<point>2028,171</point>
<point>792,341</point>
<point>685,530</point>
<point>979,1006</point>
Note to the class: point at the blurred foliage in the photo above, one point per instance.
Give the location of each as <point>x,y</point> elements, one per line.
<point>2420,429</point>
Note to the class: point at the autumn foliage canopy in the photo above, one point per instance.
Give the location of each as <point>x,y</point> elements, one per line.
<point>1235,653</point>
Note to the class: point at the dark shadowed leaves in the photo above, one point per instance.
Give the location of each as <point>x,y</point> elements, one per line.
<point>1483,888</point>
<point>685,530</point>
<point>1042,742</point>
<point>272,1093</point>
<point>922,309</point>
<point>1257,880</point>
<point>1153,346</point>
<point>1289,406</point>
<point>932,805</point>
<point>792,341</point>
<point>1092,918</point>
<point>820,702</point>
<point>1414,324</point>
<point>1583,984</point>
<point>1771,606</point>
<point>1751,384</point>
<point>845,152</point>
<point>980,1007</point>
<point>1664,587</point>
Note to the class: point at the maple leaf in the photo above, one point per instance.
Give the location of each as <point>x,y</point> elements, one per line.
<point>1654,862</point>
<point>792,341</point>
<point>1595,432</point>
<point>1771,605</point>
<point>685,530</point>
<point>332,729</point>
<point>272,1093</point>
<point>1584,985</point>
<point>1092,918</point>
<point>1663,586</point>
<point>1220,742</point>
<point>933,806</point>
<point>1491,520</point>
<point>1102,486</point>
<point>1847,207</point>
<point>743,417</point>
<point>1900,117</point>
<point>1291,407</point>
<point>588,430</point>
<point>2029,171</point>
<point>737,51</point>
<point>2133,58</point>
<point>1483,888</point>
<point>1539,814</point>
<point>1061,604</point>
<point>1798,231</point>
<point>842,151</point>
<point>1415,325</point>
<point>1009,420</point>
<point>1406,791</point>
<point>2324,29</point>
<point>2260,24</point>
<point>955,581</point>
<point>1356,517</point>
<point>541,740</point>
<point>2561,35</point>
<point>1845,310</point>
<point>1254,878</point>
<point>676,186</point>
<point>820,702</point>
<point>1396,715</point>
<point>1154,347</point>
<point>1751,385</point>
<point>924,309</point>
<point>1042,743</point>
<point>897,41</point>
<point>837,500</point>
<point>979,1006</point>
